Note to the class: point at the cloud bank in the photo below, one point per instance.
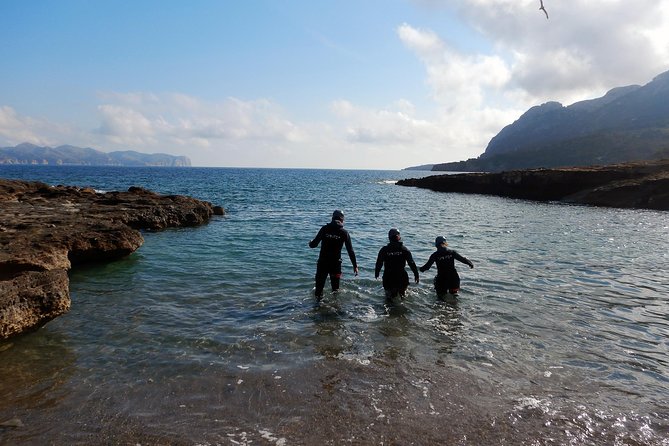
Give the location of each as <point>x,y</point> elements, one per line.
<point>584,49</point>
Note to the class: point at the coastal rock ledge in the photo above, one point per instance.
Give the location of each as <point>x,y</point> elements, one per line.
<point>46,230</point>
<point>643,185</point>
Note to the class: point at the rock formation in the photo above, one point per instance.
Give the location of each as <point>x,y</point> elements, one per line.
<point>46,230</point>
<point>628,185</point>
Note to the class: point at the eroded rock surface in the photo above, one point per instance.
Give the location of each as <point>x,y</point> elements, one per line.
<point>45,230</point>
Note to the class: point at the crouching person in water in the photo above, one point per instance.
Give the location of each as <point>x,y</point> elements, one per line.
<point>332,237</point>
<point>447,279</point>
<point>393,257</point>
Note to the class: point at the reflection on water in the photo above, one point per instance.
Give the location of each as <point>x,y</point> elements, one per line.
<point>446,323</point>
<point>34,370</point>
<point>330,336</point>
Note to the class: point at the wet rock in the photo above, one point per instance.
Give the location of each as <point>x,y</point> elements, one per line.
<point>46,230</point>
<point>629,185</point>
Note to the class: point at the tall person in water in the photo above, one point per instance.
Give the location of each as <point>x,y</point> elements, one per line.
<point>393,258</point>
<point>447,279</point>
<point>332,237</point>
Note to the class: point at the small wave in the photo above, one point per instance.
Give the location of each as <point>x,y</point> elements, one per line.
<point>533,404</point>
<point>364,313</point>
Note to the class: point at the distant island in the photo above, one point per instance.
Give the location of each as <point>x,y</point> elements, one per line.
<point>67,155</point>
<point>626,124</point>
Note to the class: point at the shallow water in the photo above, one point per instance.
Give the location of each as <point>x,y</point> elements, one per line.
<point>211,335</point>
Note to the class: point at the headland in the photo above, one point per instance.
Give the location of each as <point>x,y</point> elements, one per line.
<point>643,185</point>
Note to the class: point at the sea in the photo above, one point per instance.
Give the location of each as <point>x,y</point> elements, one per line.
<point>212,336</point>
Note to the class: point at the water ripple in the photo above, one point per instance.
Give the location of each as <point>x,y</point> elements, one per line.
<point>563,317</point>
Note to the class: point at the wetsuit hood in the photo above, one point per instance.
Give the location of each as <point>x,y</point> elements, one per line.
<point>338,215</point>
<point>394,234</point>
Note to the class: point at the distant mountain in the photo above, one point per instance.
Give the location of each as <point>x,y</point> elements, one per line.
<point>628,123</point>
<point>70,155</point>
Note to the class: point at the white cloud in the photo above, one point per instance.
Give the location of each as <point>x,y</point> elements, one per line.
<point>178,122</point>
<point>125,125</point>
<point>584,49</point>
<point>473,93</point>
<point>457,81</point>
<point>393,125</point>
<point>16,129</point>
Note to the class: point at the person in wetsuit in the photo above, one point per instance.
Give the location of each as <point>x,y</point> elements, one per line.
<point>332,237</point>
<point>447,279</point>
<point>393,257</point>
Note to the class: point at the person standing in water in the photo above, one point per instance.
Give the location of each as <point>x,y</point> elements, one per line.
<point>447,279</point>
<point>332,237</point>
<point>393,257</point>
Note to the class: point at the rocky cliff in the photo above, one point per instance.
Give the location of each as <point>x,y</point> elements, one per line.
<point>45,230</point>
<point>628,185</point>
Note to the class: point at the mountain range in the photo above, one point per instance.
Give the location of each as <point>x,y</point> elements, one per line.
<point>27,153</point>
<point>626,124</point>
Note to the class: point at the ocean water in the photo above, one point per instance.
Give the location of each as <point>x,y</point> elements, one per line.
<point>211,335</point>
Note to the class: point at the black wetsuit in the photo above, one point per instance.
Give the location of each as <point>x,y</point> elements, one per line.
<point>393,257</point>
<point>447,279</point>
<point>332,237</point>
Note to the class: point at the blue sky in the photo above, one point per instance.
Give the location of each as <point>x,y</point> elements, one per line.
<point>340,84</point>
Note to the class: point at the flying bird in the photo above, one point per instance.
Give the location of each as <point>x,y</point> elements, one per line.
<point>541,8</point>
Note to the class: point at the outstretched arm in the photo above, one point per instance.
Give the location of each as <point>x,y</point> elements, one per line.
<point>428,265</point>
<point>463,260</point>
<point>317,239</point>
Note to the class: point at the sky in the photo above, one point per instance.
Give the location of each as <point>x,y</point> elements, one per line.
<point>354,84</point>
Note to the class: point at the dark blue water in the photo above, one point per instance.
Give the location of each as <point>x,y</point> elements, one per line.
<point>211,335</point>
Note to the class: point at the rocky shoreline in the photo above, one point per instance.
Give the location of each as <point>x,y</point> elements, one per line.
<point>45,230</point>
<point>642,185</point>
